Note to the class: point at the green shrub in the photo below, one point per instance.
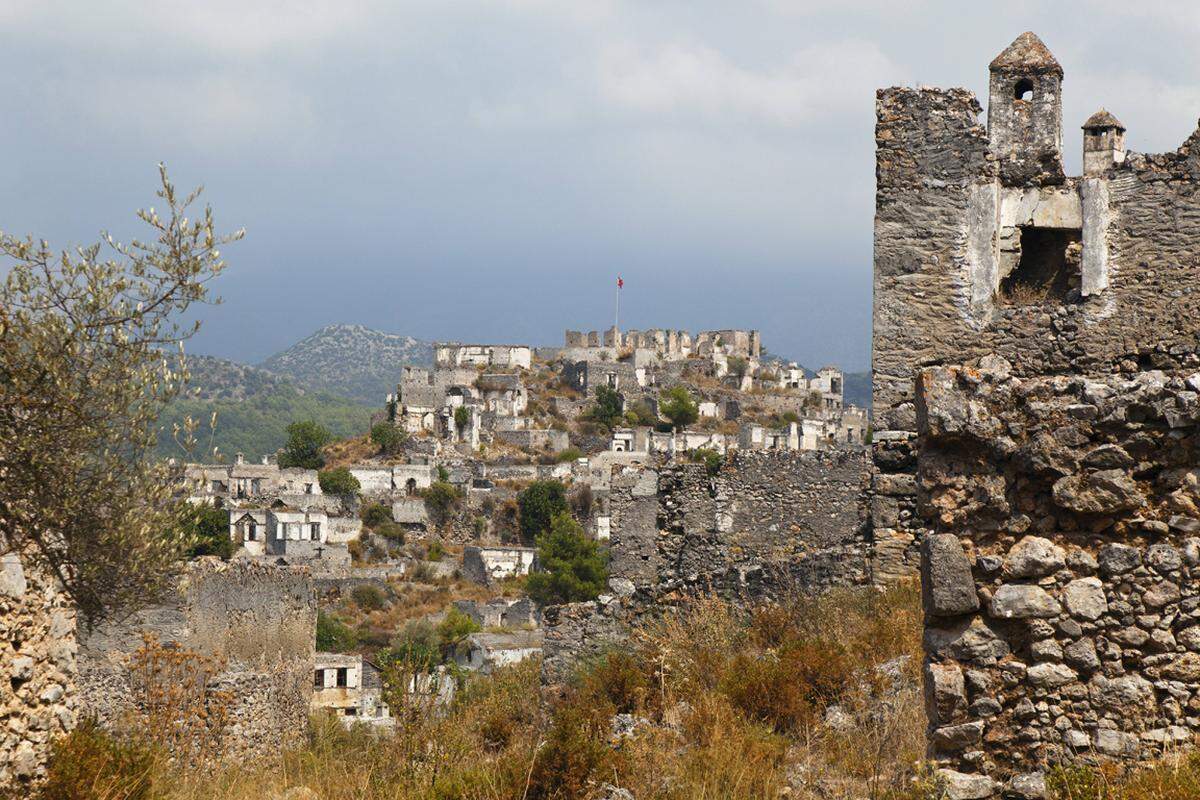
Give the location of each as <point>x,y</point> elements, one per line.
<point>334,636</point>
<point>641,413</point>
<point>375,514</point>
<point>574,568</point>
<point>570,454</point>
<point>207,528</point>
<point>303,448</point>
<point>338,481</point>
<point>388,438</point>
<point>435,552</point>
<point>90,763</point>
<point>538,504</point>
<point>368,597</point>
<point>418,646</point>
<point>479,527</point>
<point>608,409</point>
<point>392,532</point>
<point>453,630</point>
<point>710,458</point>
<point>679,407</point>
<point>462,418</point>
<point>443,474</point>
<point>441,499</point>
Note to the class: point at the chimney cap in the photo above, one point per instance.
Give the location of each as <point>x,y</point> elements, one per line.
<point>1102,120</point>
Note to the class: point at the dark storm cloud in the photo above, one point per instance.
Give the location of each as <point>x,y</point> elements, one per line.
<point>484,170</point>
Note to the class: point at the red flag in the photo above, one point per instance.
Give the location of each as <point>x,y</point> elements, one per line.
<point>620,283</point>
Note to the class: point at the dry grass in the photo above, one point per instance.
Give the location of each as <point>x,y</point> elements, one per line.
<point>1175,777</point>
<point>347,452</point>
<point>725,704</point>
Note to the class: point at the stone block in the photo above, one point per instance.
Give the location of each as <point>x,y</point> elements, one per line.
<point>945,692</point>
<point>1023,601</point>
<point>1033,557</point>
<point>965,786</point>
<point>947,587</point>
<point>1084,598</point>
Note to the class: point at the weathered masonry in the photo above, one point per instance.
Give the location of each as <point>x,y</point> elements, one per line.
<point>767,522</point>
<point>1035,381</point>
<point>37,667</point>
<point>256,619</point>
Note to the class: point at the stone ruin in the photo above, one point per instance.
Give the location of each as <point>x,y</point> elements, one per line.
<point>37,665</point>
<point>259,620</point>
<point>1035,391</point>
<point>767,522</point>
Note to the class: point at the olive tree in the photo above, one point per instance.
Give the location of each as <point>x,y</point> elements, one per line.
<point>86,365</point>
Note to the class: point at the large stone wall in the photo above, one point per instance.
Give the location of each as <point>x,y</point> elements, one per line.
<point>937,246</point>
<point>1060,581</point>
<point>1011,691</point>
<point>767,522</point>
<point>259,619</point>
<point>37,668</point>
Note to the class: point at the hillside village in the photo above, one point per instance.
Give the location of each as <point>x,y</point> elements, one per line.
<point>438,496</point>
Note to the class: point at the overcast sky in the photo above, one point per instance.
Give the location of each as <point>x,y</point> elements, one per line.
<point>484,169</point>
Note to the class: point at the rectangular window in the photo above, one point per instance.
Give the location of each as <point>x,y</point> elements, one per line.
<point>342,676</point>
<point>319,679</point>
<point>315,531</point>
<point>1048,271</point>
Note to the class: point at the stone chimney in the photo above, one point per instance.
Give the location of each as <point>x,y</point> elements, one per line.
<point>1103,143</point>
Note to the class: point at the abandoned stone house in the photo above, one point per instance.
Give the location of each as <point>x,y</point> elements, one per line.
<point>209,483</point>
<point>351,688</point>
<point>395,479</point>
<point>502,612</point>
<point>486,565</point>
<point>280,530</point>
<point>455,354</point>
<point>486,651</point>
<point>1035,383</point>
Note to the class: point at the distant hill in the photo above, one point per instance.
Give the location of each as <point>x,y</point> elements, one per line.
<point>351,361</point>
<point>253,408</point>
<point>219,379</point>
<point>857,388</point>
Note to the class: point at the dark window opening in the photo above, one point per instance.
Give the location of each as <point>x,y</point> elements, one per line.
<point>1048,271</point>
<point>342,675</point>
<point>319,679</point>
<point>1023,90</point>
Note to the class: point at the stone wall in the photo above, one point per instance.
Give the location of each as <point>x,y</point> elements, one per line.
<point>37,668</point>
<point>1061,593</point>
<point>766,523</point>
<point>937,204</point>
<point>1037,651</point>
<point>259,619</point>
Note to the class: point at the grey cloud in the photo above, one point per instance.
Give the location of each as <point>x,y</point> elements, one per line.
<point>484,169</point>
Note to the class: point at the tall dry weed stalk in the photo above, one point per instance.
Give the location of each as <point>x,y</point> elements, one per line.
<point>176,709</point>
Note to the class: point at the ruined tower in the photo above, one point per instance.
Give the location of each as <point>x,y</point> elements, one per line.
<point>1036,375</point>
<point>1025,113</point>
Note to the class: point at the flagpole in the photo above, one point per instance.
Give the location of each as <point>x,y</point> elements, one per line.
<point>617,315</point>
